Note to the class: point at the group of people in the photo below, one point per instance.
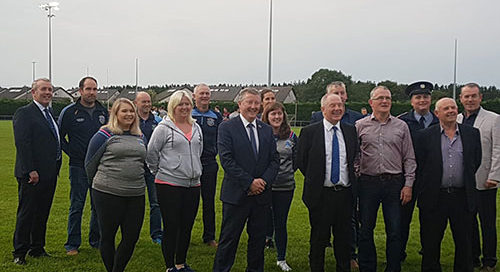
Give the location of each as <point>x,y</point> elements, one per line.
<point>446,163</point>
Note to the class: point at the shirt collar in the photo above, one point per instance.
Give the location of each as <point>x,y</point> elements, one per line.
<point>40,106</point>
<point>456,129</point>
<point>472,114</point>
<point>329,126</point>
<point>428,115</point>
<point>245,122</point>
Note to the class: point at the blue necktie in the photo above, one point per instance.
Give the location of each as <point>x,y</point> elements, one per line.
<point>335,175</point>
<point>54,131</point>
<point>252,140</point>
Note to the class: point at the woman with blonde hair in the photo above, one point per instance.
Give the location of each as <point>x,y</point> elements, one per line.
<point>174,153</point>
<point>115,167</point>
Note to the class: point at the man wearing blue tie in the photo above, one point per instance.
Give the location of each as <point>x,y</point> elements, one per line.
<point>38,159</point>
<point>248,155</point>
<point>326,153</point>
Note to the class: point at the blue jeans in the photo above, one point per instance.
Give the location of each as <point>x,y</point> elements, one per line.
<point>280,208</point>
<point>154,208</point>
<point>372,193</point>
<point>78,194</point>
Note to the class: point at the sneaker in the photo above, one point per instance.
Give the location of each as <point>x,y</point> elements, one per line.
<point>186,268</point>
<point>157,241</point>
<point>269,243</point>
<point>283,266</point>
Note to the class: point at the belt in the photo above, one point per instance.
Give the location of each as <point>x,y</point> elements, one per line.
<point>452,190</point>
<point>337,188</point>
<point>383,177</point>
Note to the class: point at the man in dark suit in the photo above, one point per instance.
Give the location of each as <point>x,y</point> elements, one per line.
<point>326,153</point>
<point>248,155</point>
<point>338,88</point>
<point>449,156</point>
<point>38,159</point>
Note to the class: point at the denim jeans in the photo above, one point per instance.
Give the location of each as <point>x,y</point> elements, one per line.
<point>78,195</point>
<point>280,208</point>
<point>372,193</point>
<point>155,229</point>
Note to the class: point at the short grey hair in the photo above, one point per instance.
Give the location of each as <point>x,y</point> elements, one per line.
<point>199,86</point>
<point>325,97</point>
<point>440,101</point>
<point>376,88</point>
<point>34,85</point>
<point>335,84</point>
<point>246,91</point>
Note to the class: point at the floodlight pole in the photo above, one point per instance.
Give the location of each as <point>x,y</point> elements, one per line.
<point>48,8</point>
<point>136,74</point>
<point>270,43</point>
<point>455,74</point>
<point>33,70</point>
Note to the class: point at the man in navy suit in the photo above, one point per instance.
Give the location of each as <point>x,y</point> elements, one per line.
<point>326,153</point>
<point>38,159</point>
<point>248,155</point>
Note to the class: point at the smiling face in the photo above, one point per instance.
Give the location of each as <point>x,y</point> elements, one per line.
<point>143,103</point>
<point>446,110</point>
<point>125,116</point>
<point>268,98</point>
<point>471,98</point>
<point>333,109</point>
<point>275,118</point>
<point>381,101</point>
<point>202,96</point>
<point>42,93</point>
<point>421,103</point>
<point>249,106</point>
<point>183,109</point>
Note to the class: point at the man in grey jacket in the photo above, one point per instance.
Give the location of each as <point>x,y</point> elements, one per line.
<point>487,176</point>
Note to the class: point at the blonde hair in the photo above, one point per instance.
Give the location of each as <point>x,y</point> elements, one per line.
<point>175,100</point>
<point>113,120</point>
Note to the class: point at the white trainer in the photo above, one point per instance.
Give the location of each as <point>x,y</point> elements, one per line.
<point>283,265</point>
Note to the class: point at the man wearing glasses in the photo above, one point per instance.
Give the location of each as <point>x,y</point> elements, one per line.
<point>387,167</point>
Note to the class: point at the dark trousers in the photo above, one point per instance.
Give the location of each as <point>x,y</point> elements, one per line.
<point>32,214</point>
<point>155,230</point>
<point>374,191</point>
<point>234,218</point>
<point>452,207</point>
<point>486,203</point>
<point>113,212</point>
<point>332,215</point>
<point>179,206</point>
<point>208,186</point>
<point>355,228</point>
<point>279,217</point>
<point>406,217</point>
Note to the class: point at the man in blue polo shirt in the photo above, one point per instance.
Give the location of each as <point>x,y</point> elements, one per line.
<point>148,122</point>
<point>209,121</point>
<point>80,121</point>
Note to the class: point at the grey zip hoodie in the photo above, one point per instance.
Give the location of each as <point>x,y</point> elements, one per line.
<point>172,158</point>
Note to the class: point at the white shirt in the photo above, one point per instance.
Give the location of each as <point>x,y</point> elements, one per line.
<point>42,108</point>
<point>245,124</point>
<point>344,176</point>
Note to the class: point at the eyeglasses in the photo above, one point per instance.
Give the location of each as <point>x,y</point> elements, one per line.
<point>388,98</point>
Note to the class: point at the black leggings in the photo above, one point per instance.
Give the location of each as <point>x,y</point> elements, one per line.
<point>179,206</point>
<point>113,212</point>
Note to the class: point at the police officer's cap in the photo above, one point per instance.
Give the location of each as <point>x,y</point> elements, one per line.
<point>420,87</point>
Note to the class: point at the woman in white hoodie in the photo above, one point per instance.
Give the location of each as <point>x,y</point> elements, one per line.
<point>174,152</point>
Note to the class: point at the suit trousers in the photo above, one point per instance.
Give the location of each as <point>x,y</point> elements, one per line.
<point>234,218</point>
<point>452,207</point>
<point>33,211</point>
<point>208,181</point>
<point>406,218</point>
<point>486,201</point>
<point>332,215</point>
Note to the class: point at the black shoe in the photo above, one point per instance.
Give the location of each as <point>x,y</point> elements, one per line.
<point>269,243</point>
<point>38,254</point>
<point>476,263</point>
<point>20,260</point>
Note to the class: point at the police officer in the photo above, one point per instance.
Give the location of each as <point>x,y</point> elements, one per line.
<point>418,118</point>
<point>209,121</point>
<point>148,122</point>
<point>80,121</point>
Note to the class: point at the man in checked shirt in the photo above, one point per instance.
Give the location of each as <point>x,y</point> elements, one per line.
<point>387,167</point>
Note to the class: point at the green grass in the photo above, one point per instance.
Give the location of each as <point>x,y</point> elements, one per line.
<point>147,256</point>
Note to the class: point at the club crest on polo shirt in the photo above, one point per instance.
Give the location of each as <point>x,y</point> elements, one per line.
<point>79,120</point>
<point>102,119</point>
<point>211,122</point>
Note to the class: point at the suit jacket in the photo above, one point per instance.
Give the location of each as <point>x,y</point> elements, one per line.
<point>488,124</point>
<point>311,159</point>
<point>240,165</point>
<point>430,165</point>
<point>36,145</point>
<point>350,117</point>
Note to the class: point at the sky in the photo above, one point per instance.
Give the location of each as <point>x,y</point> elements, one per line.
<point>226,41</point>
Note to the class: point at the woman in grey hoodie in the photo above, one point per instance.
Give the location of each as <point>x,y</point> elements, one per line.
<point>173,157</point>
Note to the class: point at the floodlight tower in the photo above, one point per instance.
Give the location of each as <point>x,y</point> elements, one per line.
<point>48,7</point>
